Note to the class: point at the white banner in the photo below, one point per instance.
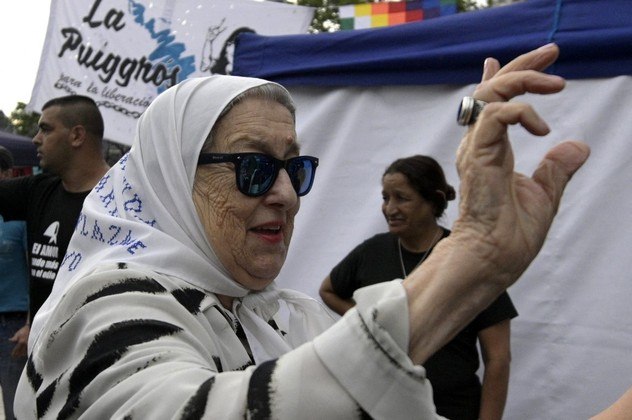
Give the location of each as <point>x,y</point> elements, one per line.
<point>123,53</point>
<point>571,342</point>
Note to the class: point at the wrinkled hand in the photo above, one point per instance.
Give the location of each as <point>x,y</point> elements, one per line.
<point>20,338</point>
<point>503,216</point>
<point>506,214</point>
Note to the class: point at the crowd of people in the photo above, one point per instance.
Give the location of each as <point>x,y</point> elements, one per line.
<point>164,302</point>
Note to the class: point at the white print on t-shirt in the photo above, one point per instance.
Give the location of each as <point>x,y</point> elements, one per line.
<point>51,232</point>
<point>44,263</point>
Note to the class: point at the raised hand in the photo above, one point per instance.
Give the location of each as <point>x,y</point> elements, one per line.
<point>507,212</point>
<point>503,217</point>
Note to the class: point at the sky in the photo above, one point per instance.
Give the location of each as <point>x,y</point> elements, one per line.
<point>22,31</point>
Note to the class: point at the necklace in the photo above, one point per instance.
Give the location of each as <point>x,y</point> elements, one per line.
<point>432,244</point>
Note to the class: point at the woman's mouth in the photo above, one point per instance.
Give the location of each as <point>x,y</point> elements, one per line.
<point>271,232</point>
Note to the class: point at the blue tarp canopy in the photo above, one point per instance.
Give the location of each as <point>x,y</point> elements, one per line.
<point>595,38</point>
<point>23,150</point>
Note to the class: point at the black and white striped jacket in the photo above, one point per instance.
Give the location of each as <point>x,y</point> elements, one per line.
<point>128,343</point>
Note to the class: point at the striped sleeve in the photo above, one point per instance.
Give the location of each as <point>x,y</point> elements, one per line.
<point>132,344</point>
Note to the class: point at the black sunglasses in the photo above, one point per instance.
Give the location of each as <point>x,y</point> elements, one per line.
<point>256,172</point>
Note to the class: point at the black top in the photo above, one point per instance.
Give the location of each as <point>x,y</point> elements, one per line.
<point>452,370</point>
<point>50,213</point>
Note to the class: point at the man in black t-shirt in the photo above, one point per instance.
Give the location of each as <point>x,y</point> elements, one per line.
<point>69,147</point>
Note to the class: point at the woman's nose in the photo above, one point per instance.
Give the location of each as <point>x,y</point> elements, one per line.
<point>282,192</point>
<point>390,208</point>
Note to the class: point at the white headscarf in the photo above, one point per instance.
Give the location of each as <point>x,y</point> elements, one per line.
<point>142,211</point>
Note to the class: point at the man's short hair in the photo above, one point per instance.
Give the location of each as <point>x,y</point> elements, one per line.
<point>79,110</point>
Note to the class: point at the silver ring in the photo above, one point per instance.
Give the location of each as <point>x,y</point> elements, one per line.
<point>469,110</point>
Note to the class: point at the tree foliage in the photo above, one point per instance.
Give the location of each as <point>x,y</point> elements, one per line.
<point>469,5</point>
<point>22,122</point>
<point>326,18</point>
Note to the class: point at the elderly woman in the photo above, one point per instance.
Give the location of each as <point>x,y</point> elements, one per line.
<point>166,307</point>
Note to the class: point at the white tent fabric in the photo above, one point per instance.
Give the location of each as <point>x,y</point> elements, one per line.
<point>572,339</point>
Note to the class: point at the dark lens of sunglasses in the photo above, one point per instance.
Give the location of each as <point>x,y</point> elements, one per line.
<point>301,171</point>
<point>255,175</point>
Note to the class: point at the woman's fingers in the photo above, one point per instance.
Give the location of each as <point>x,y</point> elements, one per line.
<point>521,75</point>
<point>507,86</point>
<point>498,115</point>
<point>538,60</point>
<point>492,123</point>
<point>490,68</point>
<point>558,166</point>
